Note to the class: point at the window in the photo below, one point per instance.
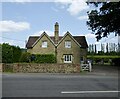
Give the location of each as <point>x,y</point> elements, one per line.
<point>44,44</point>
<point>67,58</point>
<point>67,44</point>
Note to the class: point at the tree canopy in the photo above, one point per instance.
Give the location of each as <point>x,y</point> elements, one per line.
<point>10,54</point>
<point>106,20</point>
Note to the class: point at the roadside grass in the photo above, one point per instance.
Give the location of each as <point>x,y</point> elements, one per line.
<point>8,70</point>
<point>103,56</point>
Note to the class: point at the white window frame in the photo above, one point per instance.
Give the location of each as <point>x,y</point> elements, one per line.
<point>68,58</point>
<point>44,44</point>
<point>67,44</point>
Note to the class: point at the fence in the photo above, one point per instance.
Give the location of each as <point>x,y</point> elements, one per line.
<point>86,67</point>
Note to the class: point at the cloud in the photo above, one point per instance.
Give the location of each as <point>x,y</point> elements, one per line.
<point>77,6</point>
<point>90,36</point>
<point>74,6</point>
<point>11,26</point>
<point>50,33</point>
<point>83,17</point>
<point>64,2</point>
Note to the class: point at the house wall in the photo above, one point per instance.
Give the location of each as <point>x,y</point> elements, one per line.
<point>83,53</point>
<point>74,50</point>
<point>29,50</point>
<point>37,49</point>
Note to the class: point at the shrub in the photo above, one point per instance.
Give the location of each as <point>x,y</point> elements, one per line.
<point>10,54</point>
<point>44,58</point>
<point>38,58</point>
<point>105,58</point>
<point>116,61</point>
<point>25,57</point>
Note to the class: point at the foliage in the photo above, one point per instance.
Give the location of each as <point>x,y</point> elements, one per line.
<point>116,61</point>
<point>37,58</point>
<point>106,49</point>
<point>44,58</point>
<point>106,58</point>
<point>10,53</point>
<point>16,53</point>
<point>105,20</point>
<point>25,57</point>
<point>7,55</point>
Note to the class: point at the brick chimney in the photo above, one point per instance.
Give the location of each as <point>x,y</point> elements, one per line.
<point>56,32</point>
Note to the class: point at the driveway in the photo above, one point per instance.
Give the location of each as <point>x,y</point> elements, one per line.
<point>104,70</point>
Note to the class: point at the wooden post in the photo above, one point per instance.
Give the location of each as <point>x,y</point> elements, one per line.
<point>90,67</point>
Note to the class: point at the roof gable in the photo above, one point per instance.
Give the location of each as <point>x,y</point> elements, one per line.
<point>80,40</point>
<point>34,40</point>
<point>31,41</point>
<point>70,37</point>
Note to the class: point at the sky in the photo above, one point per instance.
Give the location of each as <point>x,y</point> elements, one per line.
<point>23,18</point>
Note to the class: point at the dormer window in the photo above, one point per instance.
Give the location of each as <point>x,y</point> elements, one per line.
<point>67,44</point>
<point>44,44</point>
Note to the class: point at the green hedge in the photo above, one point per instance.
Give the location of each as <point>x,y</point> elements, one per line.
<point>44,58</point>
<point>105,58</point>
<point>38,58</point>
<point>25,57</point>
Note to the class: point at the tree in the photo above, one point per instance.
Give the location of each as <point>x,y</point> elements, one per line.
<point>95,49</point>
<point>106,20</point>
<point>16,53</point>
<point>107,48</point>
<point>10,53</point>
<point>7,53</point>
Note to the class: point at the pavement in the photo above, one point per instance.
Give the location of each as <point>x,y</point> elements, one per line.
<point>101,82</point>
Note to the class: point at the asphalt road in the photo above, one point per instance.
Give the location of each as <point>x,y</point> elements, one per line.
<point>59,85</point>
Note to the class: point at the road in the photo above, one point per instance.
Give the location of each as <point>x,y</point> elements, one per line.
<point>59,85</point>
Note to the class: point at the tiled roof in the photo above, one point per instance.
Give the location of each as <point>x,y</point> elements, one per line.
<point>80,39</point>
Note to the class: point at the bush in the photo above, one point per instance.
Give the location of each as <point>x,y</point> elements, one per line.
<point>38,58</point>
<point>105,58</point>
<point>10,54</point>
<point>25,57</point>
<point>116,61</point>
<point>44,58</point>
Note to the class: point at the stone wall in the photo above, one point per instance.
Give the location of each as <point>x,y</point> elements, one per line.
<point>0,67</point>
<point>42,68</point>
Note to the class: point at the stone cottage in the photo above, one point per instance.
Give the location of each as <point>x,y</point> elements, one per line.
<point>67,48</point>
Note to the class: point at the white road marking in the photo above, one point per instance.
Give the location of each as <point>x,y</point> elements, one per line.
<point>83,92</point>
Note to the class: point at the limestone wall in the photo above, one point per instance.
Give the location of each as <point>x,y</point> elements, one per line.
<point>0,67</point>
<point>42,68</point>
